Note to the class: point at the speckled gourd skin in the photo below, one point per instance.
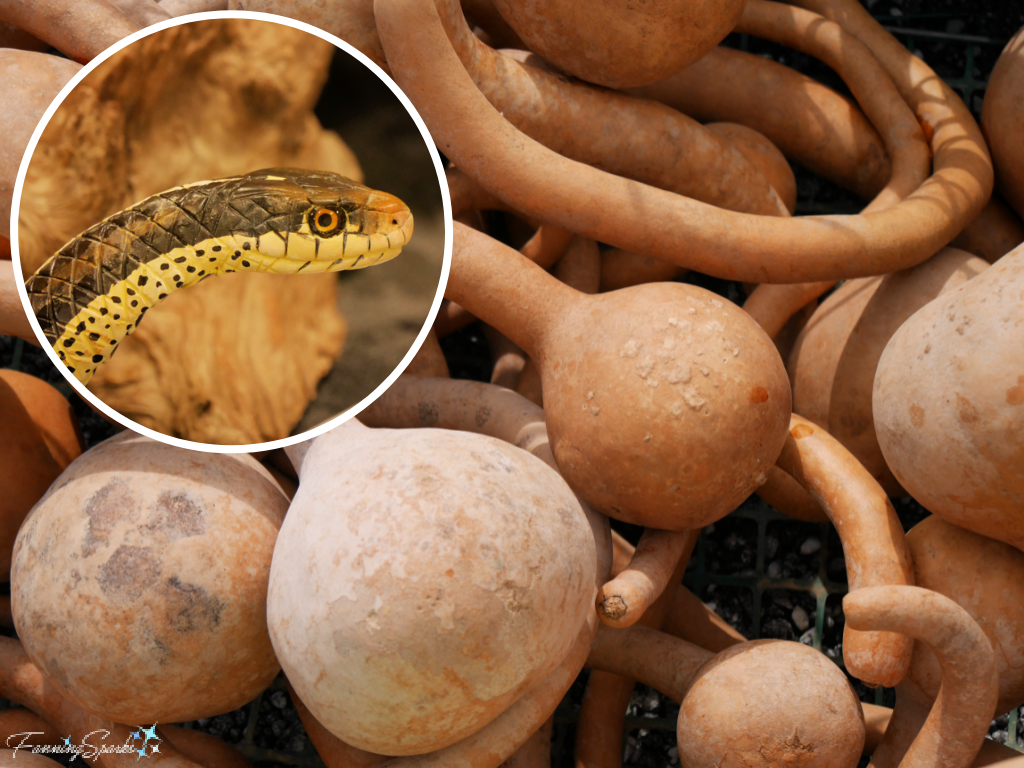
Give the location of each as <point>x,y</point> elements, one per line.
<point>770,703</point>
<point>949,403</point>
<point>682,397</point>
<point>833,362</point>
<point>139,581</point>
<point>982,576</point>
<point>423,581</point>
<point>620,44</point>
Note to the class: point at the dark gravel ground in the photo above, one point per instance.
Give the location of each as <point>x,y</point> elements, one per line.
<point>268,730</point>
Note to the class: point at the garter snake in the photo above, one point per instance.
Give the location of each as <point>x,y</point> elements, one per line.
<point>96,289</point>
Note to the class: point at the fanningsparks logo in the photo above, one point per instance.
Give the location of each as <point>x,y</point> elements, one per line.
<point>91,746</point>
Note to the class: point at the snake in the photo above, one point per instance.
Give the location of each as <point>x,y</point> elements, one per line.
<point>97,288</point>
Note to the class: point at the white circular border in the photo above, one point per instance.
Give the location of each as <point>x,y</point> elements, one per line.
<point>434,307</point>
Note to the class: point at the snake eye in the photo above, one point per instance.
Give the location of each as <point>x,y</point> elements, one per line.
<point>325,220</point>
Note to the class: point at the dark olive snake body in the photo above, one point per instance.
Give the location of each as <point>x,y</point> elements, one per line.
<point>95,290</point>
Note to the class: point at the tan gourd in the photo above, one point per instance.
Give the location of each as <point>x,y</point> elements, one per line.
<point>833,363</point>
<point>79,28</point>
<point>812,124</point>
<point>39,437</point>
<point>1001,116</point>
<point>633,137</point>
<point>487,409</point>
<point>424,582</point>
<point>351,20</point>
<point>954,729</point>
<point>949,403</point>
<point>13,318</point>
<point>778,691</point>
<point>599,725</point>
<point>980,575</point>
<point>765,156</point>
<point>621,45</point>
<point>31,81</point>
<point>26,759</point>
<point>665,405</point>
<point>872,537</point>
<point>621,269</point>
<point>22,683</point>
<point>166,553</point>
<point>204,748</point>
<point>768,249</point>
<point>994,233</point>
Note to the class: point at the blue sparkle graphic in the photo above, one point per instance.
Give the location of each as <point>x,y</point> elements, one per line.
<point>67,741</point>
<point>141,753</point>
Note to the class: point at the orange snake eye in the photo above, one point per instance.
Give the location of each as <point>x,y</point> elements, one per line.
<point>325,220</point>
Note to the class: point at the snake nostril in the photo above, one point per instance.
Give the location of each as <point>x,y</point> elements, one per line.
<point>395,222</point>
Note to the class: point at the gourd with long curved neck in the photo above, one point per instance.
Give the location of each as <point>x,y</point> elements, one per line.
<point>665,404</point>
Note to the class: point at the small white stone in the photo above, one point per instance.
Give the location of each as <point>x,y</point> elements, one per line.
<point>800,618</point>
<point>774,570</point>
<point>810,546</point>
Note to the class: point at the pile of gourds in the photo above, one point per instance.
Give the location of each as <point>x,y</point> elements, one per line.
<point>433,579</point>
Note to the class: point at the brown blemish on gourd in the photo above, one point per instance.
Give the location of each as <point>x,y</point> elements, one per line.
<point>800,431</point>
<point>429,414</point>
<point>483,416</point>
<point>916,415</point>
<point>965,410</point>
<point>111,504</point>
<point>129,572</point>
<point>758,395</point>
<point>181,516</point>
<point>1015,395</point>
<point>189,607</point>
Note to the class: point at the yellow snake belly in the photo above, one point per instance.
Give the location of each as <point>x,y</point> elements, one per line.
<point>96,289</point>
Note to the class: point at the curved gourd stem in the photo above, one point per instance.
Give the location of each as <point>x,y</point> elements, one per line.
<point>874,89</point>
<point>23,683</point>
<point>653,658</point>
<point>79,28</point>
<point>514,295</point>
<point>600,723</point>
<point>629,136</point>
<point>790,498</point>
<point>722,243</point>
<point>996,231</point>
<point>873,542</point>
<point>536,752</point>
<point>824,132</point>
<point>653,569</point>
<point>429,360</point>
<point>956,727</point>
<point>579,268</point>
<point>621,269</point>
<point>13,320</point>
<point>772,305</point>
<point>544,248</point>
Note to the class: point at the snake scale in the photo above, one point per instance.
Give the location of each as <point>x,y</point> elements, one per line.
<point>96,289</point>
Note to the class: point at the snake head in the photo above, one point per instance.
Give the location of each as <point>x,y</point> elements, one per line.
<point>321,217</point>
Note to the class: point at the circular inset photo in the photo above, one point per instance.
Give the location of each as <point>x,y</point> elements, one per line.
<point>232,230</point>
